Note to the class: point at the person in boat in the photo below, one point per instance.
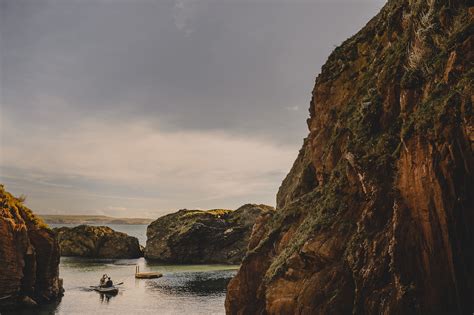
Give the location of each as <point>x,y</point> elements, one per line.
<point>103,280</point>
<point>109,283</point>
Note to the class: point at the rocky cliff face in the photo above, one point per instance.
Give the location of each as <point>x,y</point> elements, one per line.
<point>196,236</point>
<point>376,214</point>
<point>29,256</point>
<point>97,242</point>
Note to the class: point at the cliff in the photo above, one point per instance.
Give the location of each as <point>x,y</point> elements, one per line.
<point>97,242</point>
<point>376,214</point>
<point>197,236</point>
<point>29,256</point>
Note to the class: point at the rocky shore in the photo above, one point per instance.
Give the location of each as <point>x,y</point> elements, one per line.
<point>29,257</point>
<point>97,242</point>
<point>376,215</point>
<point>197,236</point>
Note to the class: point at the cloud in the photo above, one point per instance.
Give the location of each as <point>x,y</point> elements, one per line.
<point>157,105</point>
<point>195,168</point>
<point>135,152</point>
<point>244,63</point>
<point>292,108</point>
<point>184,12</point>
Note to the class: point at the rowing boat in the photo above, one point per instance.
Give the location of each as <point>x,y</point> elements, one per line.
<point>109,290</point>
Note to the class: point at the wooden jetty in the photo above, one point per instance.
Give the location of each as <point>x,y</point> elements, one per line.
<point>146,275</point>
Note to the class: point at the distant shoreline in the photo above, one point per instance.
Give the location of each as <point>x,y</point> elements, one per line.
<point>91,219</point>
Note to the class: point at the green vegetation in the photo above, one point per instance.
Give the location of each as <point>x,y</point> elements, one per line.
<point>411,79</point>
<point>214,212</point>
<point>219,212</point>
<point>321,208</point>
<point>14,208</point>
<point>442,104</point>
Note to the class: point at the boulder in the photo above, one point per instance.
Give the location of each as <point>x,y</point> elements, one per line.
<point>97,242</point>
<point>197,236</point>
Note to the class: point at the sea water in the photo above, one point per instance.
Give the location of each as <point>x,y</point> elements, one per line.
<point>183,289</point>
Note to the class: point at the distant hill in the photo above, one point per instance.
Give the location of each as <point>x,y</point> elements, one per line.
<point>91,219</point>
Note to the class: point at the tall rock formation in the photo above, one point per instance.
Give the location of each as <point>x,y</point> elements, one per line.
<point>29,256</point>
<point>197,236</point>
<point>376,215</point>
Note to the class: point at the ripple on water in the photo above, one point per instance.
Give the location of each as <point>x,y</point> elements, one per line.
<point>183,289</point>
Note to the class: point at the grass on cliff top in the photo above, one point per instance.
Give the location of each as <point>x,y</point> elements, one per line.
<point>214,212</point>
<point>15,208</point>
<point>219,212</point>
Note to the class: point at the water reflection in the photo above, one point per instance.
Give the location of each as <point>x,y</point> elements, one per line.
<point>105,298</point>
<point>193,284</point>
<point>183,289</point>
<point>48,309</point>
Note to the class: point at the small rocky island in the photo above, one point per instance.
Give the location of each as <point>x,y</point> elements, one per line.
<point>197,236</point>
<point>97,242</point>
<point>29,256</point>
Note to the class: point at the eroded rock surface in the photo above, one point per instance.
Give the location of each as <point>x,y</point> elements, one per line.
<point>29,256</point>
<point>97,242</point>
<point>376,215</point>
<point>197,236</point>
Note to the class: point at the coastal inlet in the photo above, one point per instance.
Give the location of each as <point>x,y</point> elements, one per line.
<point>194,289</point>
<point>191,289</point>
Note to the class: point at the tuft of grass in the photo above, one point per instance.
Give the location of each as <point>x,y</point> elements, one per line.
<point>219,212</point>
<point>13,207</point>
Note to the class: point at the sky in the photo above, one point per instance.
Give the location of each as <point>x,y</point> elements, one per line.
<point>140,108</point>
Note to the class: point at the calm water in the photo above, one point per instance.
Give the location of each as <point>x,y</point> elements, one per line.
<point>183,289</point>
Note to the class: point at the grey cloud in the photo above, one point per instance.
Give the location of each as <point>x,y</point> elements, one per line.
<point>214,72</point>
<point>243,65</point>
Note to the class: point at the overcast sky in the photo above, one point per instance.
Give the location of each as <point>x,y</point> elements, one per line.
<point>138,108</point>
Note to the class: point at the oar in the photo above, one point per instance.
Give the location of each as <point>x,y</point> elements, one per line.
<point>97,286</point>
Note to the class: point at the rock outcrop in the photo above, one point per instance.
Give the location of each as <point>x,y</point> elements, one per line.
<point>376,214</point>
<point>197,236</point>
<point>97,242</point>
<point>29,256</point>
